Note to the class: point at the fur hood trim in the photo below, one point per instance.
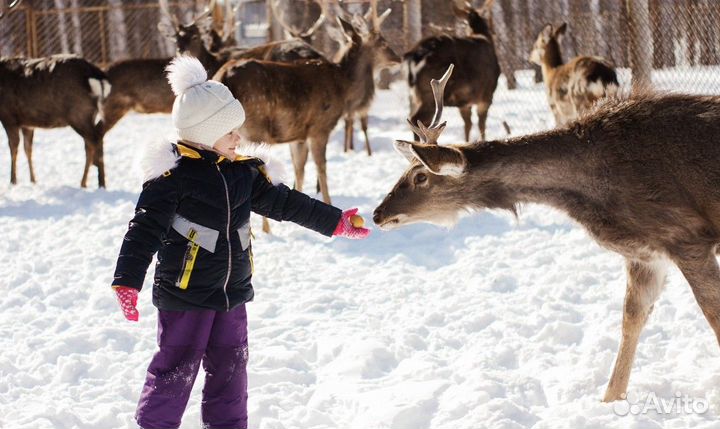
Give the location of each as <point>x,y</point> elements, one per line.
<point>159,157</point>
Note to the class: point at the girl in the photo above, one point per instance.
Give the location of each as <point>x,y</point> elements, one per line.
<point>195,211</point>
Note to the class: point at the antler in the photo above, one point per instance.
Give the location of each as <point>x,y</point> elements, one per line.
<point>223,18</point>
<point>430,134</point>
<point>295,33</point>
<point>165,9</point>
<point>4,6</point>
<point>375,20</point>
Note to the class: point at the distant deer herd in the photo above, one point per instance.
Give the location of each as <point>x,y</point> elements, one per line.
<point>639,172</point>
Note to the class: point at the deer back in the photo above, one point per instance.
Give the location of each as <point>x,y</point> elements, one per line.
<point>140,84</point>
<point>286,102</point>
<point>573,87</point>
<point>50,92</point>
<point>476,68</point>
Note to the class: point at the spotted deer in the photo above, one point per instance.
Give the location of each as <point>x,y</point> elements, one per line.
<point>641,186</point>
<point>574,87</point>
<point>476,69</point>
<point>52,92</point>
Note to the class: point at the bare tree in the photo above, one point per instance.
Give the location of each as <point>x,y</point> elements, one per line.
<point>117,31</point>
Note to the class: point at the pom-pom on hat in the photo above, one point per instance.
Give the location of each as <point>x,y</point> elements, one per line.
<point>204,110</point>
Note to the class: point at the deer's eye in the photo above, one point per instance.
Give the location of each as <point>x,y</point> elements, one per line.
<point>420,178</point>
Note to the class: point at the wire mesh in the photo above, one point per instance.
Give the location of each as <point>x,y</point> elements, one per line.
<point>682,41</point>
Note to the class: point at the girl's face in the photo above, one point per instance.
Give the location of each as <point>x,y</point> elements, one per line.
<point>226,144</point>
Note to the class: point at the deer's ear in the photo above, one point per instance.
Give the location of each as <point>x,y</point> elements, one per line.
<point>345,25</point>
<point>441,160</point>
<point>560,31</point>
<point>547,32</point>
<point>360,24</point>
<point>405,149</point>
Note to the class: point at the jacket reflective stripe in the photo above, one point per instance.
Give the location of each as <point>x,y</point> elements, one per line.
<point>188,261</point>
<point>204,237</point>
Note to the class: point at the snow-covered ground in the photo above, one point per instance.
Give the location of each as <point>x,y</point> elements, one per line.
<point>494,324</point>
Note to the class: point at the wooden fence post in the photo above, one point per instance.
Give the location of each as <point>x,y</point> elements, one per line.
<point>641,43</point>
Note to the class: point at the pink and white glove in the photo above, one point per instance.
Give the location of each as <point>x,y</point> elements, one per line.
<point>127,298</point>
<point>350,226</point>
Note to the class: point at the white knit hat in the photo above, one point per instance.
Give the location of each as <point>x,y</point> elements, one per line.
<point>204,110</point>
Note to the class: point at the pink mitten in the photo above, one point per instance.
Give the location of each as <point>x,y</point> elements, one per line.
<point>127,297</point>
<point>351,226</point>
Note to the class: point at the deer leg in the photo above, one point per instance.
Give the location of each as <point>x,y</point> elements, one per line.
<point>99,161</point>
<point>703,275</point>
<point>645,282</point>
<point>112,113</point>
<point>299,154</point>
<point>466,114</point>
<point>13,134</point>
<point>482,113</point>
<point>364,125</point>
<point>27,145</point>
<point>349,134</point>
<point>89,156</point>
<point>318,146</point>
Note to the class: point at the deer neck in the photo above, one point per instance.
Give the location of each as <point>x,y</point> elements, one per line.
<point>548,168</point>
<point>210,61</point>
<point>479,25</point>
<point>357,67</point>
<point>552,59</point>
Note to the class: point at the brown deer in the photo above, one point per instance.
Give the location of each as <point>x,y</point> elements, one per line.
<point>52,92</point>
<point>139,85</point>
<point>197,39</point>
<point>572,88</point>
<point>359,102</point>
<point>302,101</point>
<point>476,64</point>
<point>641,185</point>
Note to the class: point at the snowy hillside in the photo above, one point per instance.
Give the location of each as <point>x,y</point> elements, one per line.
<point>494,324</point>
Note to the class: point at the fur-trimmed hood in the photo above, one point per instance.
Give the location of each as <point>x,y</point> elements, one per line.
<point>160,157</point>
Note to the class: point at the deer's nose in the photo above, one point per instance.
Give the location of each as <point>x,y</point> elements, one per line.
<point>377,215</point>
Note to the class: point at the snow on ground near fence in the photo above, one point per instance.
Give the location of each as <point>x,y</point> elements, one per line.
<point>494,324</point>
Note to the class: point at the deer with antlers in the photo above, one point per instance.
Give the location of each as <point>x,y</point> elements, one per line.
<point>358,103</point>
<point>642,187</point>
<point>476,63</point>
<point>574,87</point>
<point>52,92</point>
<point>197,39</point>
<point>302,102</point>
<point>140,85</point>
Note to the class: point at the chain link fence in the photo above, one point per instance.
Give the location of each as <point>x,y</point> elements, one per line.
<point>678,40</point>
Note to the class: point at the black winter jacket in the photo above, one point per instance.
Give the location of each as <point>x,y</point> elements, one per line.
<point>196,216</point>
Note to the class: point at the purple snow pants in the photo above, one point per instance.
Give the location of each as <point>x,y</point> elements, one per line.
<point>185,338</point>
